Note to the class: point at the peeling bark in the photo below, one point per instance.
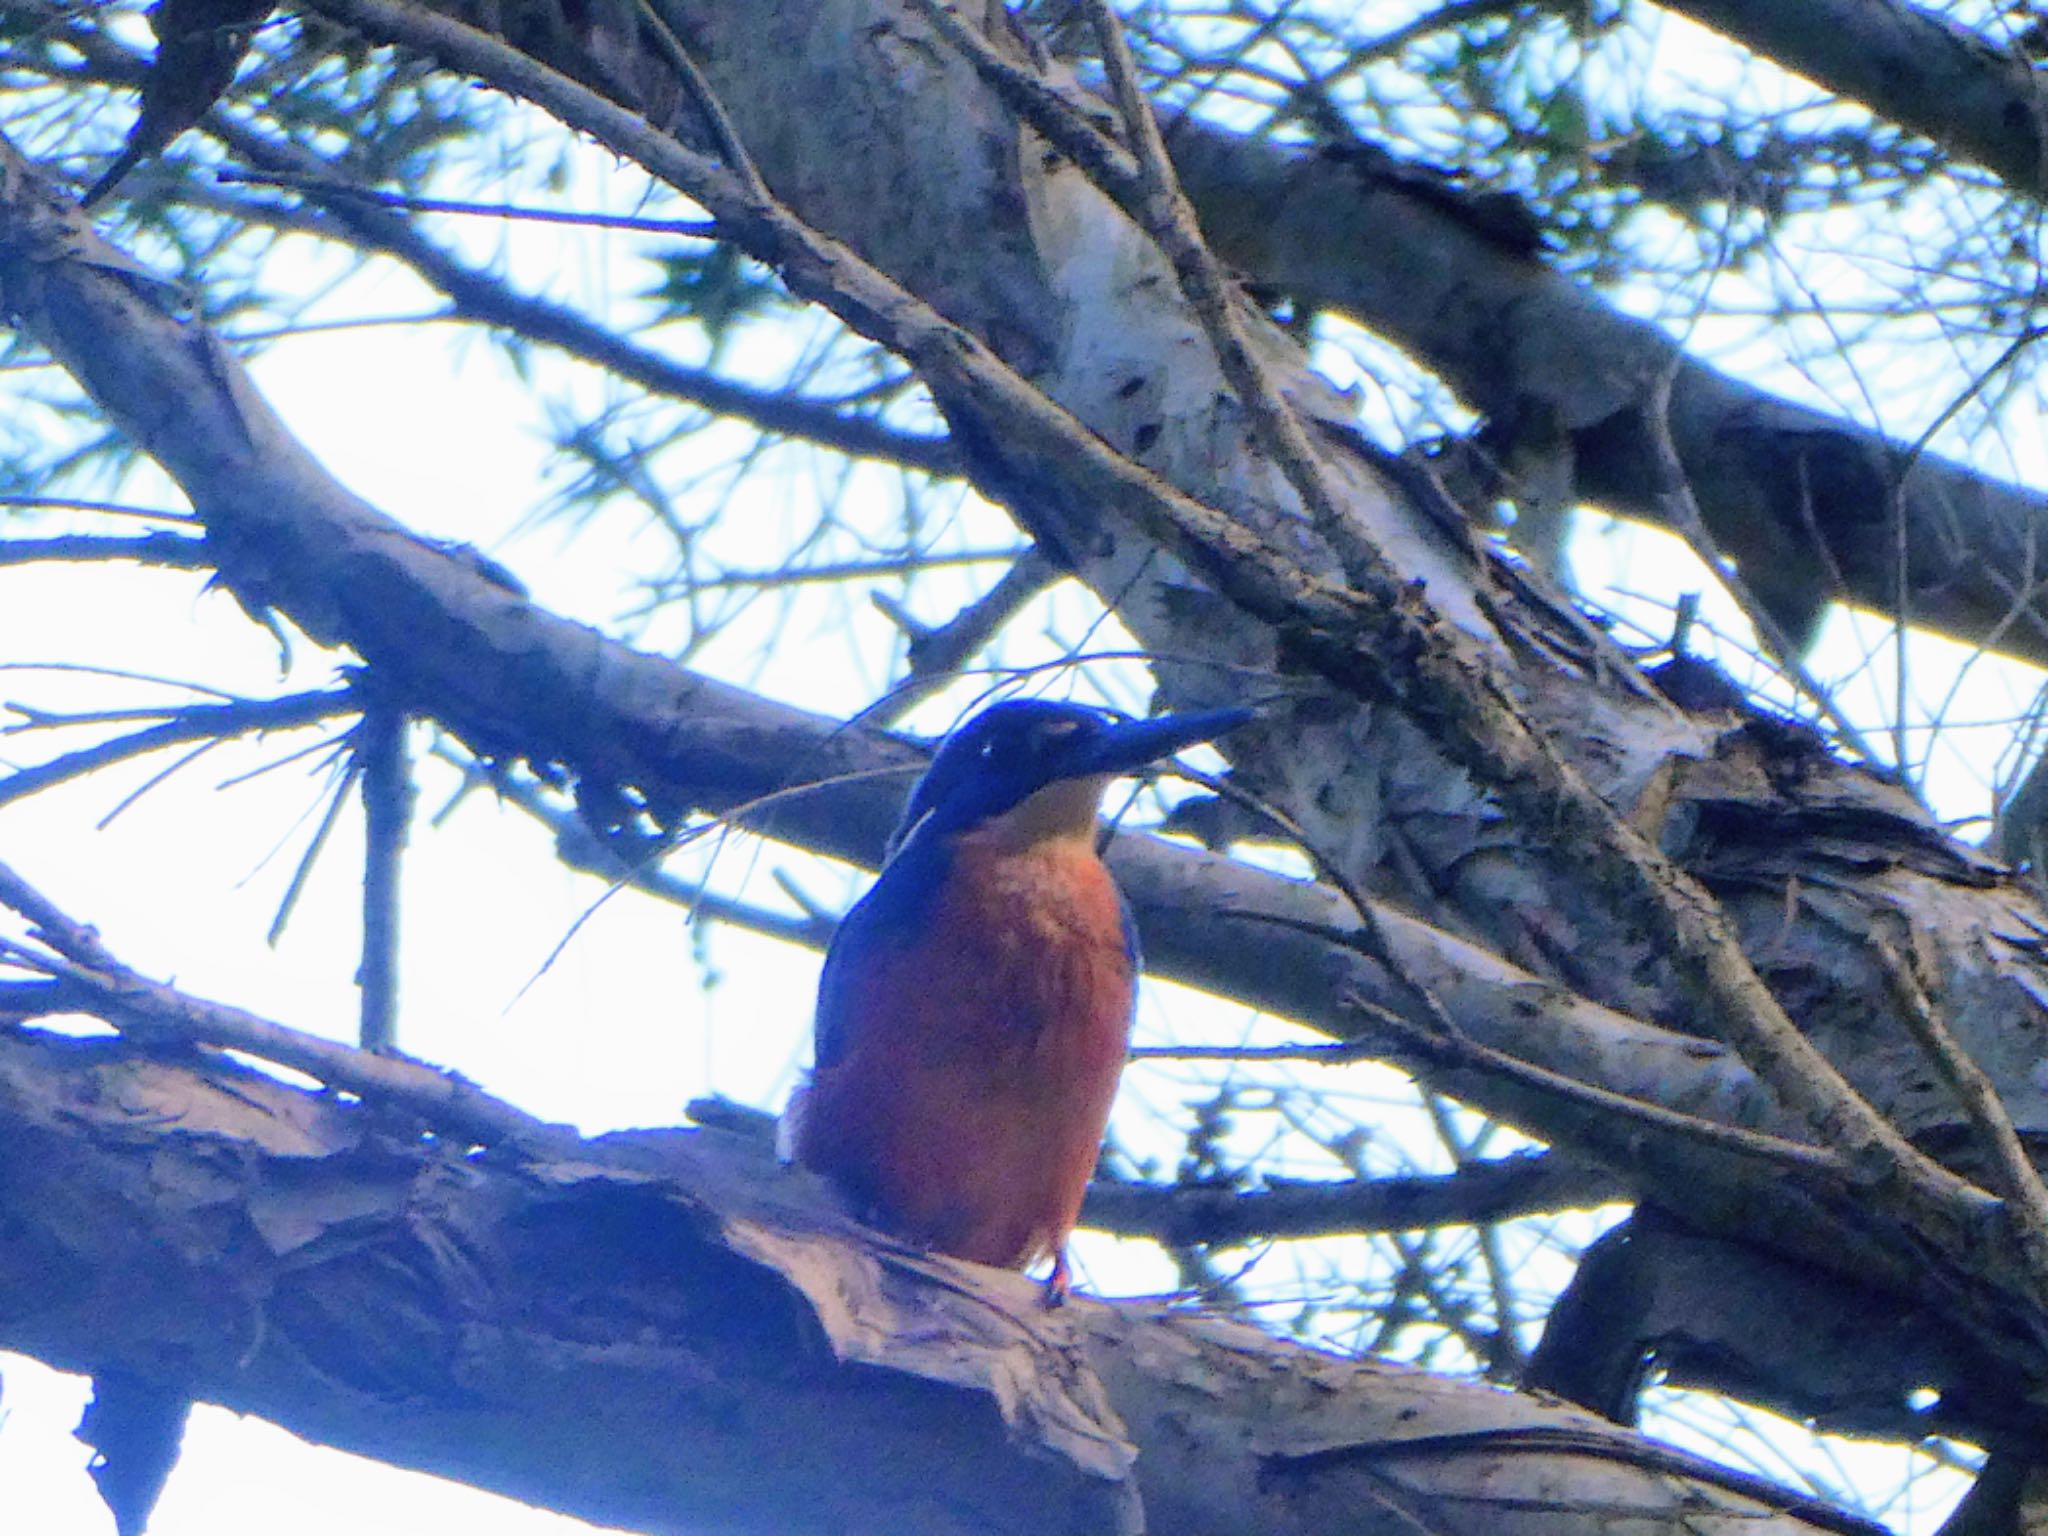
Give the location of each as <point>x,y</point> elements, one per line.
<point>1796,497</point>
<point>1491,913</point>
<point>664,1331</point>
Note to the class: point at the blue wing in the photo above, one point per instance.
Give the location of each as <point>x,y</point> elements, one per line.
<point>889,916</point>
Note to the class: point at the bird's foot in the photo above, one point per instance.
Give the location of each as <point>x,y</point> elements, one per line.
<point>1058,1283</point>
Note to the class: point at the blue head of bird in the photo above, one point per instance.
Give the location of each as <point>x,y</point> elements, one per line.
<point>1029,769</point>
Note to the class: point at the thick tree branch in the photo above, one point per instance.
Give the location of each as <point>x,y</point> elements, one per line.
<point>665,1333</point>
<point>1980,102</point>
<point>80,975</point>
<point>1794,495</point>
<point>258,492</point>
<point>618,719</point>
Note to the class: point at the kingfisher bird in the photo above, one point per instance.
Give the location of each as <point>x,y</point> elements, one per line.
<point>975,1007</point>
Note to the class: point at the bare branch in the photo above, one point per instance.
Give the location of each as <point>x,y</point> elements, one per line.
<point>386,776</point>
<point>298,1261</point>
<point>1979,101</point>
<point>1786,490</point>
<point>936,655</point>
<point>191,722</point>
<point>484,297</point>
<point>90,980</point>
<point>1525,1184</point>
<point>2013,1174</point>
<point>173,551</point>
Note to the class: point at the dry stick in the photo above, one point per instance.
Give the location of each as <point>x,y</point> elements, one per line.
<point>1168,217</point>
<point>1683,508</point>
<point>1461,1050</point>
<point>2014,1175</point>
<point>1065,126</point>
<point>93,980</point>
<point>192,722</point>
<point>387,790</point>
<point>1378,638</point>
<point>937,655</point>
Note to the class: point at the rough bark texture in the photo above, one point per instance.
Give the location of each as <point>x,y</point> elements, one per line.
<point>1496,918</point>
<point>668,1333</point>
<point>520,681</point>
<point>1805,503</point>
<point>1922,71</point>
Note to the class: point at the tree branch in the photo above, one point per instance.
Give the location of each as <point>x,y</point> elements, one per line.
<point>1980,102</point>
<point>440,634</point>
<point>491,300</point>
<point>172,551</point>
<point>611,1331</point>
<point>1499,1189</point>
<point>1789,492</point>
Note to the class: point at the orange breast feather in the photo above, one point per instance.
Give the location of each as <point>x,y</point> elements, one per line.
<point>981,1054</point>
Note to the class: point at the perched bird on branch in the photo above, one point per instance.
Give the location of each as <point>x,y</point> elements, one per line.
<point>975,1007</point>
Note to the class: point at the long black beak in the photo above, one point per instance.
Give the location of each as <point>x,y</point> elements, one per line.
<point>1131,744</point>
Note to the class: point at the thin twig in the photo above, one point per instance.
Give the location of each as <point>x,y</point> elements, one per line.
<point>75,941</point>
<point>936,656</point>
<point>1481,1191</point>
<point>303,870</point>
<point>580,847</point>
<point>334,187</point>
<point>1682,508</point>
<point>192,723</point>
<point>724,137</point>
<point>83,504</point>
<point>90,980</point>
<point>1461,1050</point>
<point>387,791</point>
<point>1169,218</point>
<point>2012,1172</point>
<point>170,551</point>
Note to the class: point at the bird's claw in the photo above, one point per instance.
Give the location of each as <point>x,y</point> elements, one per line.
<point>1058,1283</point>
